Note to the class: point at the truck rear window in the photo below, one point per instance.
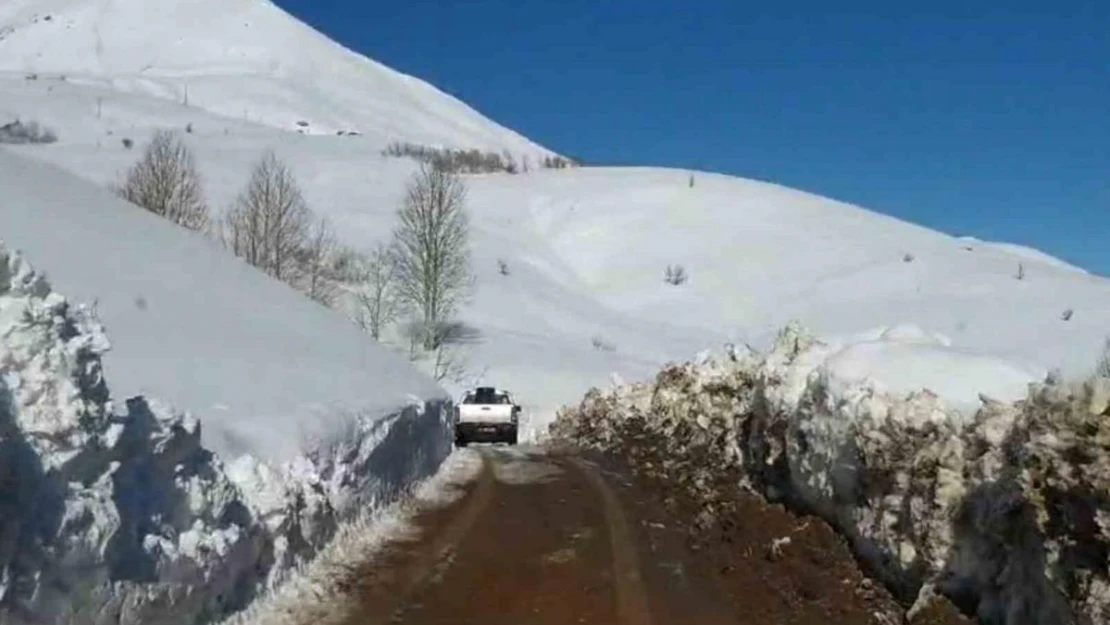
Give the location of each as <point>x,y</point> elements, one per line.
<point>486,398</point>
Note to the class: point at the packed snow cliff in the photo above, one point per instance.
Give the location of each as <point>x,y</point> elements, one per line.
<point>113,512</point>
<point>1004,509</point>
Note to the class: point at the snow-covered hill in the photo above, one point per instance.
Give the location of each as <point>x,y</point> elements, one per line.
<point>759,254</point>
<point>586,249</point>
<point>244,59</point>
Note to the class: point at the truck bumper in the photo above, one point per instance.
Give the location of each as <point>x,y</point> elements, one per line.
<point>485,433</point>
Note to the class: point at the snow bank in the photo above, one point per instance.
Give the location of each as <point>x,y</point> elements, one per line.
<point>1003,509</point>
<point>319,593</point>
<point>900,359</point>
<point>117,513</point>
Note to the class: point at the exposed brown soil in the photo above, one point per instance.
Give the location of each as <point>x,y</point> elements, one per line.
<point>774,565</point>
<point>581,539</point>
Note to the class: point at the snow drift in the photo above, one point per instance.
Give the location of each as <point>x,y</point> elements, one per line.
<point>116,513</point>
<point>1003,509</point>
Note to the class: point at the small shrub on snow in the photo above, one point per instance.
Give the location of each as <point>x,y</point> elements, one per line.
<point>908,258</point>
<point>602,345</point>
<point>502,267</point>
<point>18,132</point>
<point>558,162</point>
<point>1067,314</point>
<point>1020,275</point>
<point>675,274</point>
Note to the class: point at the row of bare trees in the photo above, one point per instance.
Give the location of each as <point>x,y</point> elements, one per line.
<point>421,275</point>
<point>269,225</point>
<point>473,161</point>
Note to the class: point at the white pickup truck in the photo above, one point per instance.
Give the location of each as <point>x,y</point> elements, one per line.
<point>486,414</point>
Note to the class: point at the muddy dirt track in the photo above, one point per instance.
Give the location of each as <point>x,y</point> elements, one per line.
<point>556,539</point>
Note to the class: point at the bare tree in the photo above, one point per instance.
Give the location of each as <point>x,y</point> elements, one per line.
<point>346,264</point>
<point>431,248</point>
<point>376,295</point>
<point>448,365</point>
<point>165,181</point>
<point>269,223</point>
<point>314,263</point>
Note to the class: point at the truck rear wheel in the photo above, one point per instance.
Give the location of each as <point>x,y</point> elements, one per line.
<point>511,437</point>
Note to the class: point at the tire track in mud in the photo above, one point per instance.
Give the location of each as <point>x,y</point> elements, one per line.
<point>433,557</point>
<point>544,538</point>
<point>631,598</point>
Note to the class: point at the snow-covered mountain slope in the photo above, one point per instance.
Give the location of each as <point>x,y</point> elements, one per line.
<point>536,328</point>
<point>269,372</point>
<point>245,59</point>
<point>759,254</point>
<point>586,249</point>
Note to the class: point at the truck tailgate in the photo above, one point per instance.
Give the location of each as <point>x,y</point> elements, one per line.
<point>481,413</point>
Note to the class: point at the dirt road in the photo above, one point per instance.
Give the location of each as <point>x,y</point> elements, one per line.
<point>548,539</point>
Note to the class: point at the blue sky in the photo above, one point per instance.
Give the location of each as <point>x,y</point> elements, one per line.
<point>990,119</point>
